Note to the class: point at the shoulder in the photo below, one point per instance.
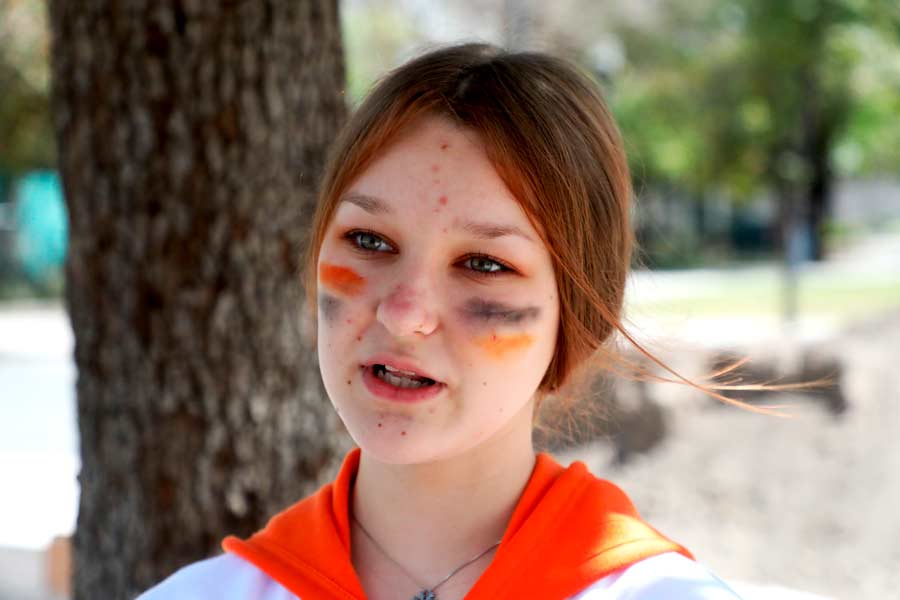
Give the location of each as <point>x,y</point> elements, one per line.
<point>660,577</point>
<point>224,577</point>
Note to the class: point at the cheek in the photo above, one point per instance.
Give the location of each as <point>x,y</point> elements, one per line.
<point>330,308</point>
<point>341,280</point>
<point>502,346</point>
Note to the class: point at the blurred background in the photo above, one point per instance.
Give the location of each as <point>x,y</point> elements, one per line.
<point>764,140</point>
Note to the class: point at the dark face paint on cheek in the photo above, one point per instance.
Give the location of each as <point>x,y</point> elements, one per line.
<point>329,307</point>
<point>487,311</point>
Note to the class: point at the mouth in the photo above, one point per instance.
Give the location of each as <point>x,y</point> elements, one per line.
<point>400,377</point>
<point>391,383</point>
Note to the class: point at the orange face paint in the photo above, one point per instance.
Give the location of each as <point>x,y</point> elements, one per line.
<point>341,279</point>
<point>498,346</point>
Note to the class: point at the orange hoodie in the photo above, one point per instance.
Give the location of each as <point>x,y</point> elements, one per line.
<point>590,524</point>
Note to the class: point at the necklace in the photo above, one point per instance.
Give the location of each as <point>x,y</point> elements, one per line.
<point>427,592</point>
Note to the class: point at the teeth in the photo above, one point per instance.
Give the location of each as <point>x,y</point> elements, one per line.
<point>393,370</point>
<point>397,380</point>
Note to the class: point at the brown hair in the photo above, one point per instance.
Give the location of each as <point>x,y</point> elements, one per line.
<point>553,141</point>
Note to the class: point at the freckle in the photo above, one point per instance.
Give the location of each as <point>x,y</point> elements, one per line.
<point>444,146</point>
<point>349,321</point>
<point>437,210</point>
<point>435,181</point>
<point>484,383</point>
<point>379,424</point>
<point>430,411</point>
<point>348,382</point>
<point>359,338</point>
<point>443,200</point>
<point>402,433</point>
<point>435,168</point>
<point>444,230</point>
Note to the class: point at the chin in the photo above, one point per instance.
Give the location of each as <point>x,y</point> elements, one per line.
<point>394,449</point>
<point>400,441</point>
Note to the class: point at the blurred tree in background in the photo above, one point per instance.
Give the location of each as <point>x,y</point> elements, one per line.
<point>191,137</point>
<point>26,137</point>
<point>732,98</point>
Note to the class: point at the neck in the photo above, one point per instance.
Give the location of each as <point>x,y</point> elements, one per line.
<point>445,512</point>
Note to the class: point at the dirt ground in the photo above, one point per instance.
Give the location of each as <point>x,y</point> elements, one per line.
<point>811,503</point>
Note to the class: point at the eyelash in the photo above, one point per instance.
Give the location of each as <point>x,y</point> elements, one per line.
<point>351,237</point>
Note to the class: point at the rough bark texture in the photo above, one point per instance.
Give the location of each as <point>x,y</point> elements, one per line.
<point>191,134</point>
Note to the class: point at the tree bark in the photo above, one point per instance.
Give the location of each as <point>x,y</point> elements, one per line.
<point>191,134</point>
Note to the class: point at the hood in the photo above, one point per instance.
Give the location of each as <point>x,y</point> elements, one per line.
<point>590,524</point>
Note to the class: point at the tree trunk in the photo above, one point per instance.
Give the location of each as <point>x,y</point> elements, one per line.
<point>191,135</point>
<point>820,183</point>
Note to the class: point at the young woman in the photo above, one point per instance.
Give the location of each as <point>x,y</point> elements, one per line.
<point>468,258</point>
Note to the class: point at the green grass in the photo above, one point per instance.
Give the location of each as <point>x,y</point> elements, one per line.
<point>763,296</point>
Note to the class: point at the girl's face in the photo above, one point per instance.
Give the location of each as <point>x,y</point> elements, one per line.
<point>430,266</point>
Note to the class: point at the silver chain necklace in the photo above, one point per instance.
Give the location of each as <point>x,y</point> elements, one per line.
<point>427,593</point>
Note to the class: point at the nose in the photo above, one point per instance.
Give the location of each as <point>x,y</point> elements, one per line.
<point>406,311</point>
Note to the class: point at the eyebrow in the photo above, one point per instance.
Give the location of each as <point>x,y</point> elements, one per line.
<point>370,204</point>
<point>481,230</point>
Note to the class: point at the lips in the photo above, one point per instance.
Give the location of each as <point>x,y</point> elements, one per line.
<point>401,364</point>
<point>386,391</point>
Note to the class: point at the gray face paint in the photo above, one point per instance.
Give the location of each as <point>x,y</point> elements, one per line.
<point>497,312</point>
<point>329,307</point>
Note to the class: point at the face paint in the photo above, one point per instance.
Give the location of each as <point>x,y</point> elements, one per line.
<point>499,345</point>
<point>329,306</point>
<point>496,312</point>
<point>341,279</point>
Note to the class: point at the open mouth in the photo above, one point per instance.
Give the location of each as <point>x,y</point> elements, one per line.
<point>399,378</point>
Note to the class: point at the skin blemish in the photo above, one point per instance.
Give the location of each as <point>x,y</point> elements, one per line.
<point>443,200</point>
<point>329,307</point>
<point>488,311</point>
<point>379,425</point>
<point>341,279</point>
<point>359,338</point>
<point>498,346</point>
<point>435,168</point>
<point>348,382</point>
<point>402,433</point>
<point>444,146</point>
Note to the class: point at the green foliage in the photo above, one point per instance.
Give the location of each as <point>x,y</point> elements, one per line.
<point>720,94</point>
<point>26,136</point>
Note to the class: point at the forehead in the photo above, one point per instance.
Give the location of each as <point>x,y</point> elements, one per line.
<point>436,166</point>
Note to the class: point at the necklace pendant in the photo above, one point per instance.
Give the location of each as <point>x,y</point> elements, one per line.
<point>425,595</point>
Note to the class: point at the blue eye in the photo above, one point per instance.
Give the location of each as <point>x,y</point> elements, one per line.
<point>485,265</point>
<point>368,241</point>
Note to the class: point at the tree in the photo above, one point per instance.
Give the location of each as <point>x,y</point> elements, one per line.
<point>190,138</point>
<point>748,96</point>
<point>27,142</point>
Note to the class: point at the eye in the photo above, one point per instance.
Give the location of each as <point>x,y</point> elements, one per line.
<point>368,241</point>
<point>485,265</point>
